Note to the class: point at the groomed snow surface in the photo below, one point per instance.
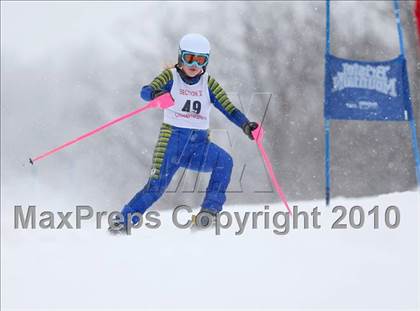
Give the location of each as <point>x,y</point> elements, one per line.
<point>355,269</point>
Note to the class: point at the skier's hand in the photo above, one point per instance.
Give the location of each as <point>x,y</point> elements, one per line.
<point>249,127</point>
<point>158,93</point>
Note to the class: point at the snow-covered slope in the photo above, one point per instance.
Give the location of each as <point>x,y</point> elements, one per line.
<point>174,268</point>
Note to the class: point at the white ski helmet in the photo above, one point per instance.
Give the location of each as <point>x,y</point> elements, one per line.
<point>194,43</point>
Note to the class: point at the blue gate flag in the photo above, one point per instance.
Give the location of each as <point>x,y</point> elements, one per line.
<point>361,90</point>
<point>369,91</point>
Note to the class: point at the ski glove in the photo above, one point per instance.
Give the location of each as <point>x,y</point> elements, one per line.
<point>248,128</point>
<point>148,93</point>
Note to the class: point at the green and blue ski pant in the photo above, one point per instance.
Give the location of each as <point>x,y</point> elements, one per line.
<point>187,148</point>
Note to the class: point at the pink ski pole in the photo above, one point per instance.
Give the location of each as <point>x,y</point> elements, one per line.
<point>164,101</point>
<point>258,135</point>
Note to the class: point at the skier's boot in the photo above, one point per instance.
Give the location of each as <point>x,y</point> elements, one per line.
<point>204,219</point>
<point>118,228</point>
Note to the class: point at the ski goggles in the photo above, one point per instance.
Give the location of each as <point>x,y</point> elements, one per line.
<point>191,59</point>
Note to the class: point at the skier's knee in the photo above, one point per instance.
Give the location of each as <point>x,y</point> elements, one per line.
<point>227,161</point>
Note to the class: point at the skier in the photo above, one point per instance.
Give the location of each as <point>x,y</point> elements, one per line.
<point>184,138</point>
